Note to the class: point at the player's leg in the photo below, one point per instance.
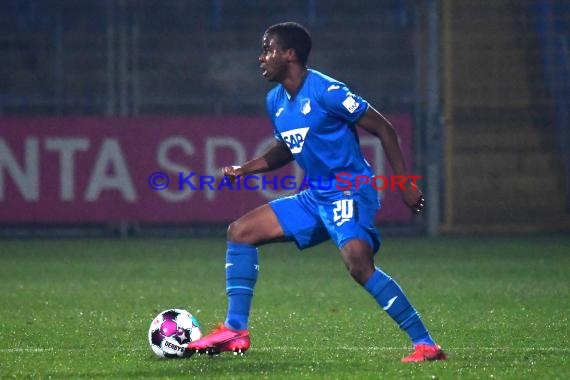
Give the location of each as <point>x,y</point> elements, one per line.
<point>257,227</point>
<point>358,258</point>
<point>350,222</point>
<point>290,218</point>
<point>284,219</point>
<point>357,255</point>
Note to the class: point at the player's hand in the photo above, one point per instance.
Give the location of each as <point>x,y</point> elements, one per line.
<point>232,172</point>
<point>413,197</point>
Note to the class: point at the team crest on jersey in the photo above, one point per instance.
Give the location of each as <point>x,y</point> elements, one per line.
<point>305,106</point>
<point>295,139</point>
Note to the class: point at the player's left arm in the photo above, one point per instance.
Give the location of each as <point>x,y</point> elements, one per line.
<point>376,124</point>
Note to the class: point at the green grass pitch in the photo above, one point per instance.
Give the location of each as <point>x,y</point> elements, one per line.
<point>81,309</point>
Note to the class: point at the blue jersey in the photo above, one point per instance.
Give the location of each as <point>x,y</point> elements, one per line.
<point>318,126</point>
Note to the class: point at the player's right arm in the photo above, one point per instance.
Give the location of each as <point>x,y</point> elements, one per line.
<point>276,156</point>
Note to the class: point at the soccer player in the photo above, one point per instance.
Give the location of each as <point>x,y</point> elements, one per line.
<point>314,119</point>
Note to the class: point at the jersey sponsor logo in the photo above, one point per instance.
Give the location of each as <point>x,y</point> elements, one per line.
<point>333,87</point>
<point>350,104</point>
<point>295,139</point>
<point>279,111</point>
<point>305,106</point>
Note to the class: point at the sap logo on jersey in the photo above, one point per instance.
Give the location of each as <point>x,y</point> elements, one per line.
<point>295,139</point>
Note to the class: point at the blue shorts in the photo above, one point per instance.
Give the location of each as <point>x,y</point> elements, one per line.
<point>310,218</point>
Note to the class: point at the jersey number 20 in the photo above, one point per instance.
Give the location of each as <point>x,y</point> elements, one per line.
<point>343,211</point>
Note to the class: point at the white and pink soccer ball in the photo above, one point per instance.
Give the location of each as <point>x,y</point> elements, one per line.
<point>171,331</point>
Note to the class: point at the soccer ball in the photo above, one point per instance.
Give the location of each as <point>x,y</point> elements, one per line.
<point>170,331</point>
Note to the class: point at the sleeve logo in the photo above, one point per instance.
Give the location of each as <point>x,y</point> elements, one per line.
<point>350,104</point>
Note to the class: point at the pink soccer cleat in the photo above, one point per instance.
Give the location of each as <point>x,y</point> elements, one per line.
<point>222,339</point>
<point>425,352</point>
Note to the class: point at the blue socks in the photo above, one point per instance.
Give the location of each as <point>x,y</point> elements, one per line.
<point>241,275</point>
<point>393,301</point>
<point>242,269</point>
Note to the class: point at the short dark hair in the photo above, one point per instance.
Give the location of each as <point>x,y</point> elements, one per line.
<point>292,35</point>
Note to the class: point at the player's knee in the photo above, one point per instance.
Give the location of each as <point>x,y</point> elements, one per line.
<point>240,232</point>
<point>360,273</point>
<point>360,267</point>
<point>235,232</point>
<point>359,262</point>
